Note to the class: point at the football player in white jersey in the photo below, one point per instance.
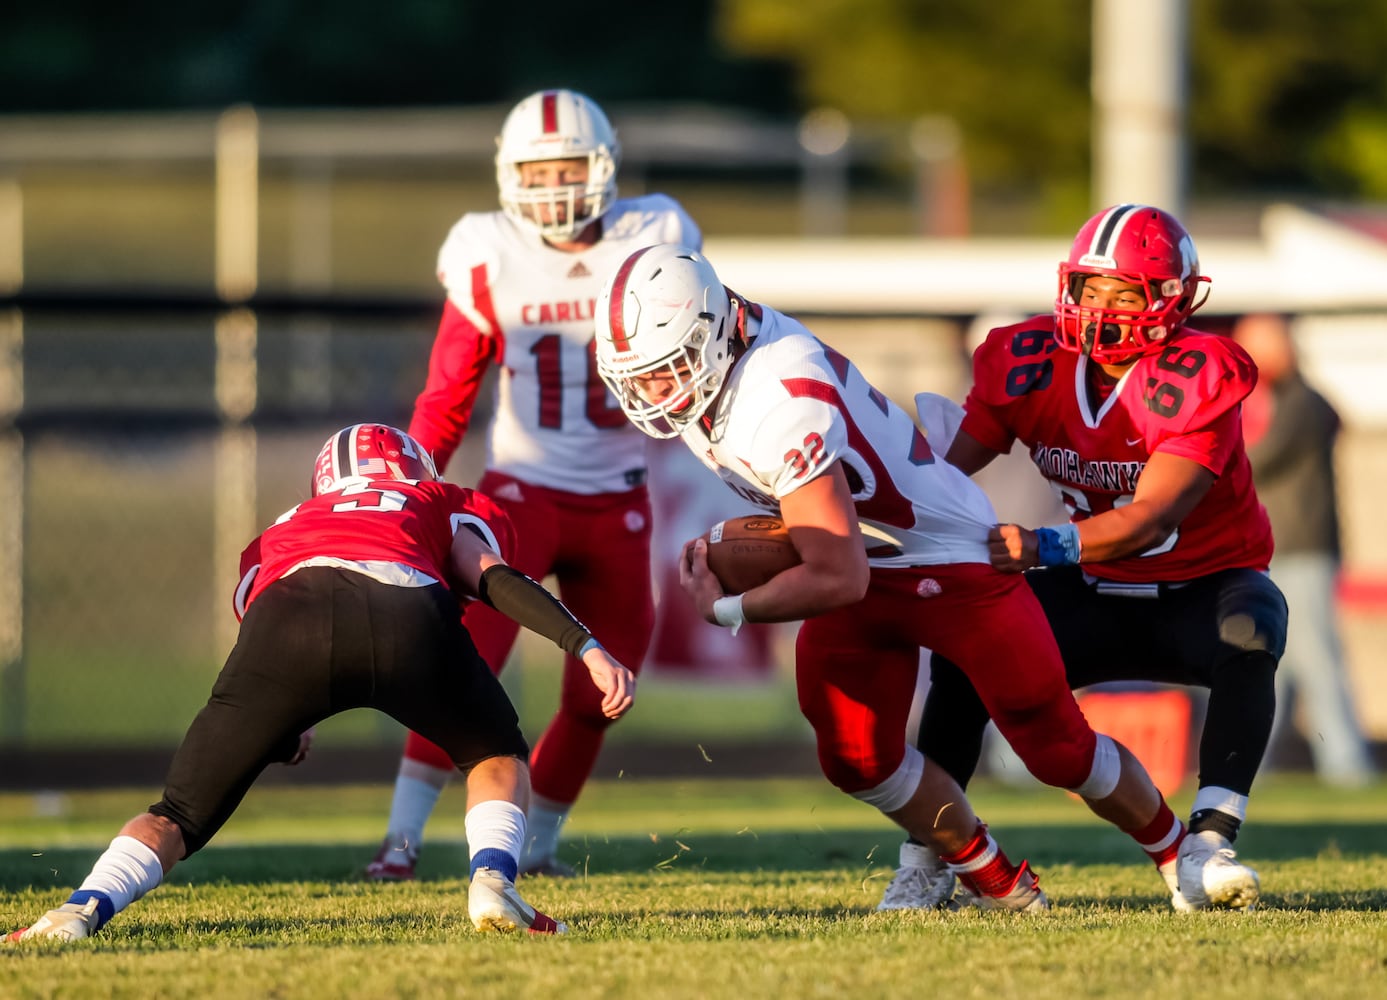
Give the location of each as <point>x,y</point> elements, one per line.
<point>893,542</point>
<point>562,460</point>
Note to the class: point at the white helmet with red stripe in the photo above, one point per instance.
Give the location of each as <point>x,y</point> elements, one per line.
<point>363,452</point>
<point>664,337</point>
<point>1140,245</point>
<point>557,125</point>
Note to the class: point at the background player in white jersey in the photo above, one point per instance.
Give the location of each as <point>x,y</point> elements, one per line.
<point>562,460</point>
<point>895,558</point>
<point>350,600</point>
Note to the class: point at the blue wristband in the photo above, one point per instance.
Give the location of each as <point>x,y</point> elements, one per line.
<point>1058,546</point>
<point>589,645</point>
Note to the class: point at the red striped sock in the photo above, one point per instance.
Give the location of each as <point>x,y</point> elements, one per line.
<point>983,866</point>
<point>1160,838</point>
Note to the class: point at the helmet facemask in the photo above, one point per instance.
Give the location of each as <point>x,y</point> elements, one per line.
<point>557,125</point>
<point>665,328</point>
<point>559,213</point>
<point>1097,331</point>
<point>1140,246</point>
<point>692,379</point>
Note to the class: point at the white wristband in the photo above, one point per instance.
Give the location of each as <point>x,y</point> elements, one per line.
<point>728,612</point>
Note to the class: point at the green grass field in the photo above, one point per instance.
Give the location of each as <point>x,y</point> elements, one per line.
<point>698,889</point>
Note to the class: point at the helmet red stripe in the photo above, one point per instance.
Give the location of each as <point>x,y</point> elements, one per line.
<point>616,301</point>
<point>549,112</point>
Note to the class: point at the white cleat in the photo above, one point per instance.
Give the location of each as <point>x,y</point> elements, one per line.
<point>922,882</point>
<point>69,922</point>
<point>1170,872</point>
<point>1210,877</point>
<point>494,904</point>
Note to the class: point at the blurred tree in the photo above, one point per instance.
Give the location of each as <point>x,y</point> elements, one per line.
<point>1284,95</point>
<point>1289,95</point>
<point>1012,73</point>
<point>81,55</point>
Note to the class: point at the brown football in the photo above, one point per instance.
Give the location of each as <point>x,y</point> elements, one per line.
<point>745,552</point>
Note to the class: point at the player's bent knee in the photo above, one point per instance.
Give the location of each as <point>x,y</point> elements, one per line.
<point>1253,615</point>
<point>1105,772</point>
<point>887,793</point>
<point>1058,763</point>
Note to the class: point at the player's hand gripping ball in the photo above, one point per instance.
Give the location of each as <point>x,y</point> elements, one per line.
<point>745,552</point>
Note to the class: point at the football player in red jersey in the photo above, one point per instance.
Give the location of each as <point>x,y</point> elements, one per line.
<point>351,600</point>
<point>894,553</point>
<point>1134,419</point>
<point>561,459</point>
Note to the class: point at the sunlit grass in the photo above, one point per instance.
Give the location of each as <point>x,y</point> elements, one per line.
<point>698,889</point>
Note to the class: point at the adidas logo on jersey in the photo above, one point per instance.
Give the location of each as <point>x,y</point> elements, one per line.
<point>579,271</point>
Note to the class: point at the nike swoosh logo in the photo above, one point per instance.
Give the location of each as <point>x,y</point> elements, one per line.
<point>1135,441</point>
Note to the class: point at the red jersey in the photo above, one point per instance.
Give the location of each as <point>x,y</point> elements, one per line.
<point>399,530</point>
<point>1184,399</point>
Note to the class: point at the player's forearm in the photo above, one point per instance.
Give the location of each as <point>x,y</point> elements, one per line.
<point>522,600</point>
<point>1125,531</point>
<point>805,591</point>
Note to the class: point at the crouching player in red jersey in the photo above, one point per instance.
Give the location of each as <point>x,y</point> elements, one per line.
<point>1161,573</point>
<point>894,555</point>
<point>351,600</point>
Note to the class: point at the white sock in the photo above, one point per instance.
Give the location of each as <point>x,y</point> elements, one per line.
<point>545,821</point>
<point>127,871</point>
<point>495,833</point>
<point>410,809</point>
<point>1225,800</point>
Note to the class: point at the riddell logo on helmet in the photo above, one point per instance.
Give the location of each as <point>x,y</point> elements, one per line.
<point>1097,260</point>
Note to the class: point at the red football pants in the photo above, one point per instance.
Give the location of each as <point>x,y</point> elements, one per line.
<point>855,669</point>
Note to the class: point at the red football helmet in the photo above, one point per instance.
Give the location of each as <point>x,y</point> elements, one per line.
<point>370,451</point>
<point>1140,245</point>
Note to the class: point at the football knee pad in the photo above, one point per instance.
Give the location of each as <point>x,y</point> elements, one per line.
<point>896,790</point>
<point>1106,770</point>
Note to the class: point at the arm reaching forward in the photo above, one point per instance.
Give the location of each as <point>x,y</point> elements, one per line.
<point>477,567</point>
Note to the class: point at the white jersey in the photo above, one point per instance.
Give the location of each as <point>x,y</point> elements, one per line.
<point>793,406</point>
<point>556,423</point>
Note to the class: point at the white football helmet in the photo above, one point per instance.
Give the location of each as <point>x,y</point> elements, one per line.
<point>557,125</point>
<point>665,328</point>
